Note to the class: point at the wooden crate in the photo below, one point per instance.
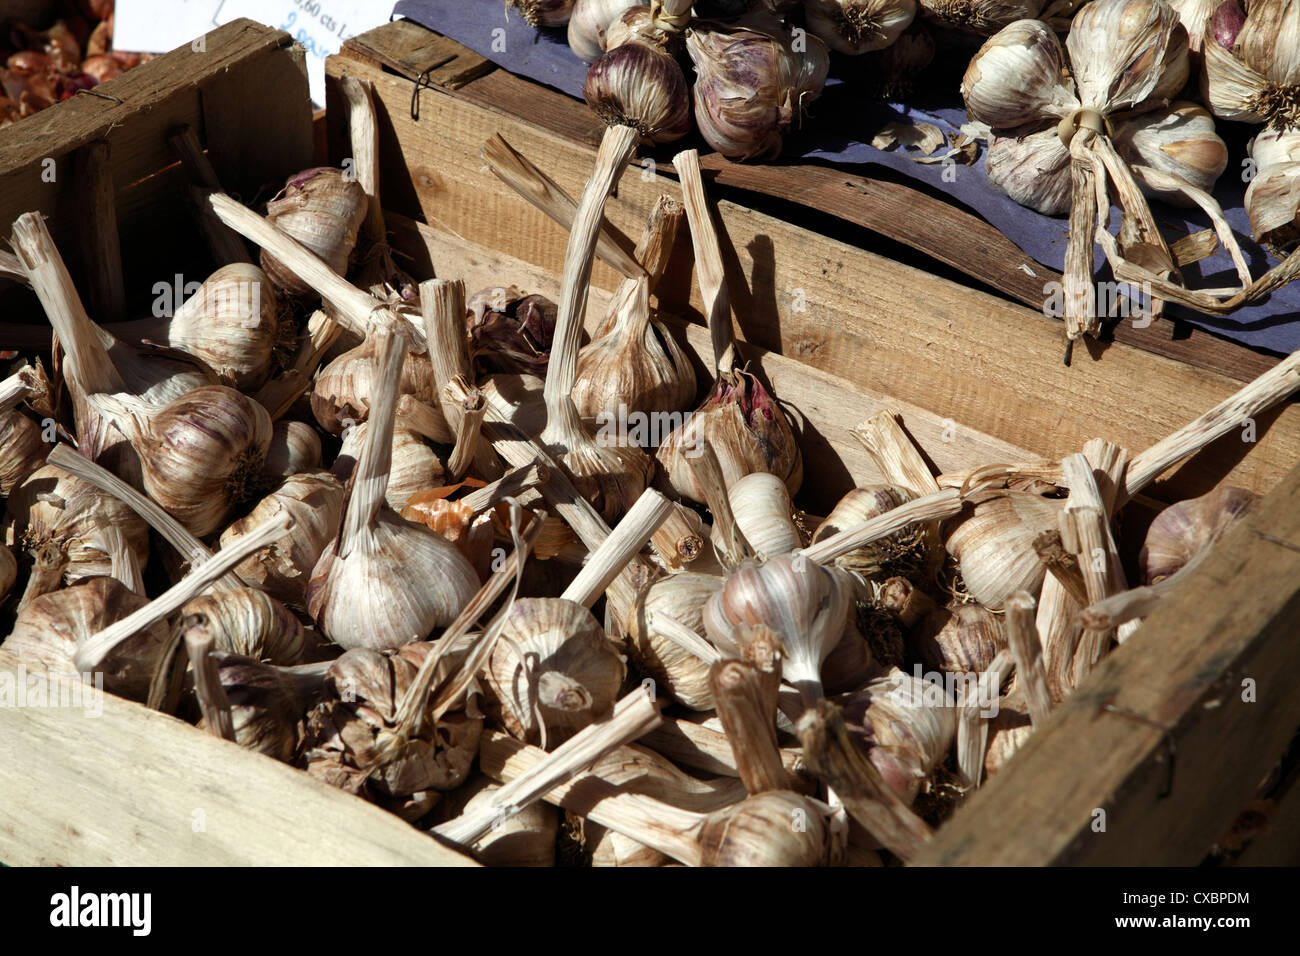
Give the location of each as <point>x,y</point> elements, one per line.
<point>1159,736</point>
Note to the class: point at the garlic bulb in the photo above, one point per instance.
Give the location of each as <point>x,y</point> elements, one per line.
<point>899,554</point>
<point>640,87</point>
<point>266,703</point>
<point>22,449</point>
<point>200,455</point>
<point>61,521</point>
<point>984,17</point>
<point>993,545</point>
<point>858,26</point>
<point>415,466</point>
<point>907,725</point>
<point>649,27</point>
<point>385,582</point>
<point>962,639</point>
<point>754,79</point>
<point>248,623</point>
<point>283,568</point>
<point>1018,75</point>
<point>510,331</point>
<point>764,514</point>
<point>1033,169</point>
<point>890,74</point>
<point>51,627</point>
<point>345,387</point>
<point>294,449</point>
<point>543,13</point>
<point>322,210</point>
<point>8,571</point>
<point>1273,196</point>
<point>676,671</point>
<point>637,366</point>
<point>758,831</point>
<point>806,605</point>
<point>1179,140</point>
<point>349,739</point>
<point>552,672</point>
<point>232,323</point>
<point>589,21</point>
<point>1189,528</point>
<point>526,838</point>
<point>1252,67</point>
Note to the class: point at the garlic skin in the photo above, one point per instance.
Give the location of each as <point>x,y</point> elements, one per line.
<point>993,545</point>
<point>1195,16</point>
<point>1189,528</point>
<point>294,449</point>
<point>282,569</point>
<point>752,84</point>
<point>1252,67</point>
<point>590,20</point>
<point>509,331</point>
<point>634,85</point>
<point>984,17</point>
<point>1019,75</point>
<point>901,553</point>
<point>747,430</point>
<point>345,387</point>
<point>22,449</point>
<point>1112,45</point>
<point>249,623</point>
<point>764,514</point>
<point>858,26</point>
<point>806,605</point>
<point>265,707</point>
<point>51,627</point>
<point>322,210</point>
<point>959,640</point>
<point>8,571</point>
<point>675,670</point>
<point>543,13</point>
<point>1181,141</point>
<point>62,521</point>
<point>758,832</point>
<point>1273,196</point>
<point>552,672</point>
<point>416,467</point>
<point>1033,169</point>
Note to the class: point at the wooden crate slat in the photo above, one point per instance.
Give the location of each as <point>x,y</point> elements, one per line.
<point>130,787</point>
<point>415,52</point>
<point>1185,752</point>
<point>888,328</point>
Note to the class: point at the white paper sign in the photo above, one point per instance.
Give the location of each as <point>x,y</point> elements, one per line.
<point>321,26</point>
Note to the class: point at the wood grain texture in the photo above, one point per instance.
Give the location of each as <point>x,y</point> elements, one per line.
<point>134,787</point>
<point>885,327</point>
<point>1159,737</point>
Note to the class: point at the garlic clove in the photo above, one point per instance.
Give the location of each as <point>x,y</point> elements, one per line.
<point>1018,76</point>
<point>1189,528</point>
<point>858,26</point>
<point>322,210</point>
<point>294,449</point>
<point>675,670</point>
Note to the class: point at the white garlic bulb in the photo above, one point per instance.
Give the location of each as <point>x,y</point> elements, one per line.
<point>1252,65</point>
<point>676,670</point>
<point>1273,196</point>
<point>294,449</point>
<point>249,623</point>
<point>858,26</point>
<point>1032,169</point>
<point>994,545</point>
<point>343,390</point>
<point>984,17</point>
<point>1180,141</point>
<point>321,209</point>
<point>1019,76</point>
<point>415,466</point>
<point>764,514</point>
<point>589,21</point>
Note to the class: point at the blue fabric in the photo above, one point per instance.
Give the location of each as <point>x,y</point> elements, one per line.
<point>838,128</point>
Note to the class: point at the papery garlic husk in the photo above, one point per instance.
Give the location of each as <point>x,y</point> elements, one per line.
<point>808,607</point>
<point>608,848</point>
<point>764,514</point>
<point>52,626</point>
<point>1008,731</point>
<point>1019,76</point>
<point>638,368</point>
<point>249,623</point>
<point>1033,169</point>
<point>8,571</point>
<point>416,467</point>
<point>349,740</point>
<point>1195,16</point>
<point>294,449</point>
<point>526,838</point>
<point>22,448</point>
<point>61,520</point>
<point>761,830</point>
<point>232,324</point>
<point>993,545</point>
<point>1273,196</point>
<point>675,670</point>
<point>510,331</point>
<point>752,82</point>
<point>907,725</point>
<point>200,455</point>
<point>985,17</point>
<point>473,534</point>
<point>343,390</point>
<point>858,26</point>
<point>637,86</point>
<point>589,22</point>
<point>322,210</point>
<point>958,640</point>
<point>282,569</point>
<point>552,671</point>
<point>1180,141</point>
<point>543,13</point>
<point>639,25</point>
<point>747,430</point>
<point>1124,52</point>
<point>904,553</point>
<point>266,706</point>
<point>1252,68</point>
<point>1189,528</point>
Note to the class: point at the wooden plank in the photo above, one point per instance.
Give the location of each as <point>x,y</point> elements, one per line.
<point>944,231</point>
<point>415,52</point>
<point>885,327</point>
<point>134,787</point>
<point>1278,842</point>
<point>1159,738</point>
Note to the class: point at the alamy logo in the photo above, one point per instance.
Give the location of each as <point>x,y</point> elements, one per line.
<point>74,908</point>
<point>40,689</point>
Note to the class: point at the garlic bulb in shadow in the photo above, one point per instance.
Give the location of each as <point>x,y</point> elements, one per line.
<point>294,449</point>
<point>985,17</point>
<point>526,838</point>
<point>345,387</point>
<point>248,623</point>
<point>675,669</point>
<point>552,672</point>
<point>415,466</point>
<point>282,569</point>
<point>51,627</point>
<point>962,639</point>
<point>993,545</point>
<point>1190,528</point>
<point>267,703</point>
<point>510,331</point>
<point>8,571</point>
<point>902,553</point>
<point>858,26</point>
<point>543,13</point>
<point>60,521</point>
<point>22,446</point>
<point>760,831</point>
<point>322,210</point>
